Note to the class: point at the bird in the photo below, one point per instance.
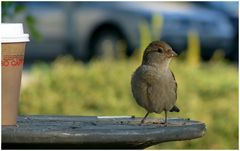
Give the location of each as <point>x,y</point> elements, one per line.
<point>153,84</point>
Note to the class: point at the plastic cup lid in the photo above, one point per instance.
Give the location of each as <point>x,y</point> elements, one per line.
<point>13,32</point>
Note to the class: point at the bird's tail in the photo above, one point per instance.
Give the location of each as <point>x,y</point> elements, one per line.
<point>175,109</point>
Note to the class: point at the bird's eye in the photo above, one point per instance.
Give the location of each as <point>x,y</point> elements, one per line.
<point>160,50</point>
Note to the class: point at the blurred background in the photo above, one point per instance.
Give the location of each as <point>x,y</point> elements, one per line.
<point>82,54</point>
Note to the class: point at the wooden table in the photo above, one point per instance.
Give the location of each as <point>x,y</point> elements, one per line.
<point>92,132</point>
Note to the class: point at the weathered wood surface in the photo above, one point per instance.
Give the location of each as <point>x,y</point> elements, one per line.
<point>45,132</point>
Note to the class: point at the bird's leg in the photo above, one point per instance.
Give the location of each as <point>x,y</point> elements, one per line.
<point>142,121</point>
<point>165,122</point>
<point>165,117</point>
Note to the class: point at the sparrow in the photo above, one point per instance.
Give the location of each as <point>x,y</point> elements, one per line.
<point>153,84</point>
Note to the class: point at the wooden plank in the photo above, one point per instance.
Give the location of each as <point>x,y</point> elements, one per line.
<point>96,132</point>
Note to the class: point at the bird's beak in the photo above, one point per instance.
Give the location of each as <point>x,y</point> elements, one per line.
<point>172,53</point>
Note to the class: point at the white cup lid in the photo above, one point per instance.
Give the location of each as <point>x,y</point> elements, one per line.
<point>13,32</point>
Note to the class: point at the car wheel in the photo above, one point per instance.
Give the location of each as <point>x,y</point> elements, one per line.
<point>207,53</point>
<point>108,44</point>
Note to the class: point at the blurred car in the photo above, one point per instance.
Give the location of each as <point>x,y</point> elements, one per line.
<point>88,29</point>
<point>230,10</point>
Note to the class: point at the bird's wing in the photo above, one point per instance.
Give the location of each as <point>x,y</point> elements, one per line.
<point>175,108</point>
<point>176,86</point>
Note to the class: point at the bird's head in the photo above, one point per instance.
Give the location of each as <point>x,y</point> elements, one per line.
<point>158,52</point>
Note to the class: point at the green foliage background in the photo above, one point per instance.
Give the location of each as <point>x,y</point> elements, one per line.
<point>208,93</point>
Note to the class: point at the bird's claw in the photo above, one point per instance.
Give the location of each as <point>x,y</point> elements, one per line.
<point>164,124</point>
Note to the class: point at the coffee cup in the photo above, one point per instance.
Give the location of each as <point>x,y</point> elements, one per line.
<point>13,41</point>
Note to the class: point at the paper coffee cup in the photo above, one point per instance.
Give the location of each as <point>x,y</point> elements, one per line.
<point>13,41</point>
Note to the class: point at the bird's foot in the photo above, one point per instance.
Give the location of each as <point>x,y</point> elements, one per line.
<point>141,123</point>
<point>171,124</point>
<point>161,123</point>
<point>165,124</point>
